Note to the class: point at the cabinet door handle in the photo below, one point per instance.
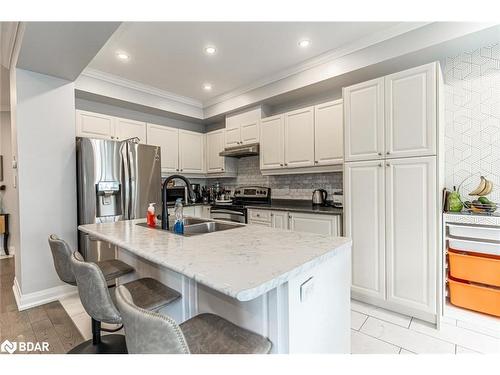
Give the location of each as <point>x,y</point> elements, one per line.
<point>281,164</point>
<point>388,152</point>
<point>222,169</point>
<point>380,165</point>
<point>379,154</point>
<point>387,165</point>
<point>272,214</point>
<point>315,162</point>
<point>177,170</point>
<point>286,164</point>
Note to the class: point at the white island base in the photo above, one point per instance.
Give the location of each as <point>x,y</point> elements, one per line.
<point>310,313</point>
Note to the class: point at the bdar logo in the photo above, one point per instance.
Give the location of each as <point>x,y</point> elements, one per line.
<point>9,347</point>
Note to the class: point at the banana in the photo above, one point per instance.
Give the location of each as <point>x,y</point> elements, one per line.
<point>480,187</point>
<point>488,188</point>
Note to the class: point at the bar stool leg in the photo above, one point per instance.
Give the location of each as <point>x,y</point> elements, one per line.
<point>96,332</point>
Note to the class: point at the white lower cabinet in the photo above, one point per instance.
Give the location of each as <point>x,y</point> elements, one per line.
<point>364,223</point>
<point>296,221</point>
<point>315,223</point>
<point>195,211</point>
<point>411,226</point>
<point>279,219</point>
<point>391,211</point>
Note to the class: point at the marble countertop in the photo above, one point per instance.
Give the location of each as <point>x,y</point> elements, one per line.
<point>296,205</point>
<point>242,263</point>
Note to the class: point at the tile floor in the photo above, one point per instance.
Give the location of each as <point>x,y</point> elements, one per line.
<point>374,331</point>
<point>378,331</point>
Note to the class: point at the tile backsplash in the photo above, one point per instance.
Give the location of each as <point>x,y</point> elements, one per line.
<point>298,186</point>
<point>472,110</point>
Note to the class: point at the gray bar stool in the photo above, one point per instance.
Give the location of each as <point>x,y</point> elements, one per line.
<point>61,254</point>
<point>97,301</point>
<point>148,332</point>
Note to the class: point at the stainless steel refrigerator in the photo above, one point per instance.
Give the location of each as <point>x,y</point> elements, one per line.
<point>116,181</point>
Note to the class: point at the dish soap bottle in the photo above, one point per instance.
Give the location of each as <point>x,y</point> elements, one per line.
<point>150,216</point>
<point>179,217</point>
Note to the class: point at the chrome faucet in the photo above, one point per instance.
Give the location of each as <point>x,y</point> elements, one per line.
<point>164,206</point>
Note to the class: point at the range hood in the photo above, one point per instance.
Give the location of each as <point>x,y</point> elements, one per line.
<point>241,151</point>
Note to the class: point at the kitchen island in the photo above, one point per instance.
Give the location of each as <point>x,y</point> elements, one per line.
<point>289,286</point>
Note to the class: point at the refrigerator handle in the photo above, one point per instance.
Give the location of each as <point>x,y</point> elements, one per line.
<point>126,182</point>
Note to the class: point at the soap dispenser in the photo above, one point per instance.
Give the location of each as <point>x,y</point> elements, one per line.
<point>150,216</point>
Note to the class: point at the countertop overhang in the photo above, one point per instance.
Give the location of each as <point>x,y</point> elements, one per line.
<point>243,263</point>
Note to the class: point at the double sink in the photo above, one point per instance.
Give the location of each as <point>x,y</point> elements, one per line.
<point>195,226</point>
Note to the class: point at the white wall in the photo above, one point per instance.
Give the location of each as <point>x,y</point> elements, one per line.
<point>44,126</point>
<point>9,194</point>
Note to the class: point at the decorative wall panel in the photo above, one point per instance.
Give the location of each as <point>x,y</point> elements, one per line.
<point>472,110</point>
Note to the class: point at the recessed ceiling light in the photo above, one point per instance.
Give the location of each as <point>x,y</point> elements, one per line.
<point>210,50</point>
<point>304,43</point>
<point>207,86</point>
<point>122,56</point>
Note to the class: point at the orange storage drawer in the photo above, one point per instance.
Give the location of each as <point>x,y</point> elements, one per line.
<point>479,268</point>
<point>475,297</point>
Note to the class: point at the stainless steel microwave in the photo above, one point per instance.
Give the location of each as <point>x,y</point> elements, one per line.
<point>174,192</point>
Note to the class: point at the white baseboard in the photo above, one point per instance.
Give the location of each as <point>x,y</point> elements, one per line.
<point>29,300</point>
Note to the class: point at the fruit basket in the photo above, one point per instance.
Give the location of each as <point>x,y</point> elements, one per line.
<point>478,207</point>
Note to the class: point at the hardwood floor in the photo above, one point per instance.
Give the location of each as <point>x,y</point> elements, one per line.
<point>49,323</point>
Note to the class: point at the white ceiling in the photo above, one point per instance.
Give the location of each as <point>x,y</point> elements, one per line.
<point>170,55</point>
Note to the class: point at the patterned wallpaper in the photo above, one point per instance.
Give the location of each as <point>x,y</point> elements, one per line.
<point>472,110</point>
<point>298,186</point>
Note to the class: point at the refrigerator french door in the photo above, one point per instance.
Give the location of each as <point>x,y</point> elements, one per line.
<point>116,181</point>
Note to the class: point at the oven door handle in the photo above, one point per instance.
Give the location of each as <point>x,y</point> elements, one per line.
<point>229,212</point>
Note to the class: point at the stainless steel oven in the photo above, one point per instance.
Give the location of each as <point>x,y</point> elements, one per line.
<point>243,196</point>
<point>236,215</point>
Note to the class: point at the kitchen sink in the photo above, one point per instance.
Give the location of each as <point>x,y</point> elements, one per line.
<point>195,226</point>
<point>208,227</point>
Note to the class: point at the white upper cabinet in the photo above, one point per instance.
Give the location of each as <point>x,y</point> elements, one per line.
<point>126,129</point>
<point>299,138</point>
<point>94,125</point>
<point>243,128</point>
<point>168,140</point>
<point>365,224</point>
<point>410,112</point>
<point>364,120</point>
<point>191,152</point>
<point>215,144</point>
<point>411,223</point>
<point>329,133</point>
<point>271,145</point>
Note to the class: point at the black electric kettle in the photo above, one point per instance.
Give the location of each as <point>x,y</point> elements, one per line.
<point>319,197</point>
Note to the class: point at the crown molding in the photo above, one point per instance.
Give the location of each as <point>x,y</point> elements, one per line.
<point>326,57</point>
<point>123,82</point>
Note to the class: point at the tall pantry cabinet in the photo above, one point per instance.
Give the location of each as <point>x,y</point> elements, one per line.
<point>392,185</point>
